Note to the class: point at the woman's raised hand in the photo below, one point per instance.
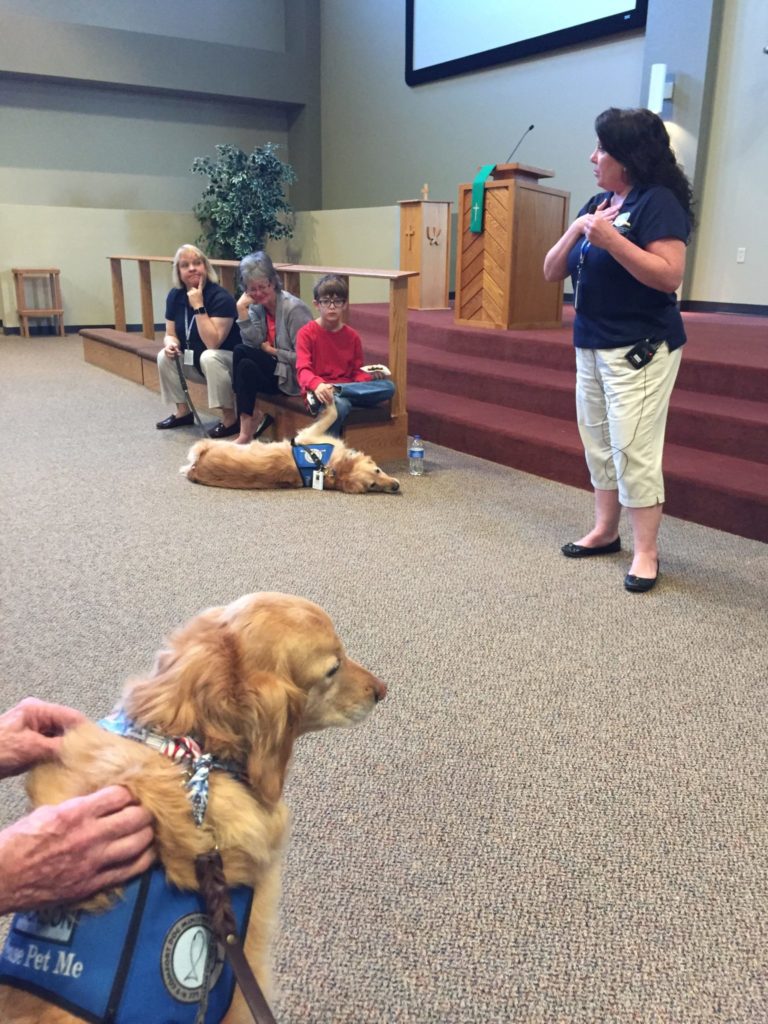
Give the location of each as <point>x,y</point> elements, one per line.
<point>243,304</point>
<point>195,295</point>
<point>598,225</point>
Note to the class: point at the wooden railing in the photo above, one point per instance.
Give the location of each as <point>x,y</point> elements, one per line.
<point>291,274</point>
<point>226,269</point>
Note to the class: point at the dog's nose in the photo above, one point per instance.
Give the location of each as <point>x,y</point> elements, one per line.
<point>379,690</point>
<point>395,486</point>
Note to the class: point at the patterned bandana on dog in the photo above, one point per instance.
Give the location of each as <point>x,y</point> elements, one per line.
<point>184,750</point>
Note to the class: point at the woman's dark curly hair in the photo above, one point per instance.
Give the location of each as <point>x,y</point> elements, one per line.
<point>640,142</point>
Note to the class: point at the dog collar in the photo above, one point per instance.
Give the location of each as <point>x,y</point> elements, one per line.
<point>185,751</point>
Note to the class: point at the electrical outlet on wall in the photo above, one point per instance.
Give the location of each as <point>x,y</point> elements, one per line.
<point>741,255</point>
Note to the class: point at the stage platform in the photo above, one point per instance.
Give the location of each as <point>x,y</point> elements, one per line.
<point>508,396</point>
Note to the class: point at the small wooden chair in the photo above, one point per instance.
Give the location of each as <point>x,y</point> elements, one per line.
<point>54,310</point>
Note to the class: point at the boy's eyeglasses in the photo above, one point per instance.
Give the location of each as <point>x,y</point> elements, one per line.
<point>331,303</point>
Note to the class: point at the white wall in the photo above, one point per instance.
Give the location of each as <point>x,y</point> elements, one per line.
<point>382,140</point>
<point>733,200</point>
<point>106,104</point>
<point>255,23</point>
<point>66,144</point>
<point>87,140</point>
<point>78,242</point>
<point>368,238</point>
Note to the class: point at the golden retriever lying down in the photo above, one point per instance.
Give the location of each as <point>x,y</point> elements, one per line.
<point>244,681</point>
<point>266,466</point>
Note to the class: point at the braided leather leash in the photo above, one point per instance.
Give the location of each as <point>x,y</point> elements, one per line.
<point>213,886</point>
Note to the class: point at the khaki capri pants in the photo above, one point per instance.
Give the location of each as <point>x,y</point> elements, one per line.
<point>622,417</point>
<point>216,365</point>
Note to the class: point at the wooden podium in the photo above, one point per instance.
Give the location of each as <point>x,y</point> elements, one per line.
<point>499,277</point>
<point>425,246</point>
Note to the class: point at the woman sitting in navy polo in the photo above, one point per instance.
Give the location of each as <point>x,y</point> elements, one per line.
<point>200,332</point>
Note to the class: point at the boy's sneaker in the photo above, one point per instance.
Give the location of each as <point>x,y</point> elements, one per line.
<point>312,403</point>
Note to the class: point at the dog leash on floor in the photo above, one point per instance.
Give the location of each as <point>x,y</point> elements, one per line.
<point>213,887</point>
<point>188,397</point>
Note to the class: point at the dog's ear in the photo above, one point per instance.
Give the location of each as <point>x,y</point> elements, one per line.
<point>190,681</point>
<point>202,684</point>
<point>274,713</point>
<point>348,477</point>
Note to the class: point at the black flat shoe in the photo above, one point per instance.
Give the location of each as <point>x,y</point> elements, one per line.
<point>220,430</point>
<point>641,584</point>
<point>265,424</point>
<point>176,421</point>
<point>579,551</point>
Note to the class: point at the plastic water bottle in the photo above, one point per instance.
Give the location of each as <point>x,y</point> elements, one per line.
<point>416,457</point>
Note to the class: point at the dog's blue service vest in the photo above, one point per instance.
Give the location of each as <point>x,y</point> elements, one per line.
<point>144,959</point>
<point>306,464</point>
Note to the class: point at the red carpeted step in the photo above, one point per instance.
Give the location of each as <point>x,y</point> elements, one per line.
<point>508,396</point>
<point>515,385</point>
<point>722,491</point>
<point>551,348</point>
<point>538,444</point>
<point>718,423</point>
<point>725,355</point>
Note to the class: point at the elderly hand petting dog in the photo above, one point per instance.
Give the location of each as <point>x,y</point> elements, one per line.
<point>205,740</point>
<point>69,851</point>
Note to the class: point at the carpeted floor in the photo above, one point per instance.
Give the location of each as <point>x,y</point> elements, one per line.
<point>558,815</point>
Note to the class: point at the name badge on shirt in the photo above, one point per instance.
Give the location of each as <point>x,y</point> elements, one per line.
<point>189,357</point>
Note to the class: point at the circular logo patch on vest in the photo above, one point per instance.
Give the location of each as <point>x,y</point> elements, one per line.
<point>185,955</point>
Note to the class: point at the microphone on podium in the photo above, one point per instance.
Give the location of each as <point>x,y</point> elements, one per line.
<point>528,129</point>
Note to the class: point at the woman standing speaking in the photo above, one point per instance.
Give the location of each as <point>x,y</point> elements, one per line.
<point>625,253</point>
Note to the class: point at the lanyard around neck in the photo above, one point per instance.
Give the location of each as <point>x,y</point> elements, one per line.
<point>187,323</point>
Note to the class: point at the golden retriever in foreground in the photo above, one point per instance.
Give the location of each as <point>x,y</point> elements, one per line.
<point>244,681</point>
<point>260,466</point>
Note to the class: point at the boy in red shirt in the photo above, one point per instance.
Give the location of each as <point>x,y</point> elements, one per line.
<point>329,358</point>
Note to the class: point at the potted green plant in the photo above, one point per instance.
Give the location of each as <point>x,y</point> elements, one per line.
<point>244,202</point>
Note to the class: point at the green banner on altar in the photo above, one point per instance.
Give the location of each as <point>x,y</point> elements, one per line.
<point>478,197</point>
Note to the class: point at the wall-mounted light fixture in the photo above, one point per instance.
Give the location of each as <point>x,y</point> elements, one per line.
<point>660,88</point>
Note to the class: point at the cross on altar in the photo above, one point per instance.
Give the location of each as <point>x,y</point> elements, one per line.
<point>425,191</point>
<point>475,208</point>
<point>425,242</point>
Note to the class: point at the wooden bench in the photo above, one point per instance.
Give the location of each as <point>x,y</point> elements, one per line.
<point>382,431</point>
